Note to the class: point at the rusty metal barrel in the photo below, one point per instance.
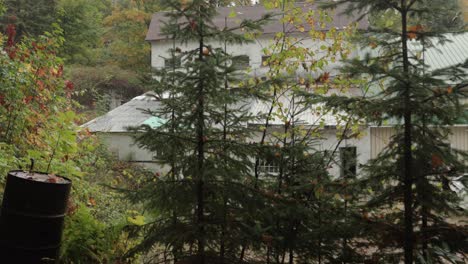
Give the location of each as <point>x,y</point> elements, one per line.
<point>32,216</point>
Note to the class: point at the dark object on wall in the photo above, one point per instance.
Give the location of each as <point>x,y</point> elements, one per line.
<point>31,218</point>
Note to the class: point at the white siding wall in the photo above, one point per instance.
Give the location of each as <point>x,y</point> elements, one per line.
<point>122,145</point>
<point>124,148</point>
<point>373,141</point>
<point>329,142</point>
<point>459,138</point>
<point>380,137</point>
<point>159,50</point>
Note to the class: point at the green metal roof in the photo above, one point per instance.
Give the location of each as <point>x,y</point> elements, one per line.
<point>154,122</point>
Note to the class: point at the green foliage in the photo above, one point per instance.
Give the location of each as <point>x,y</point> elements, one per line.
<point>7,158</point>
<point>211,203</point>
<point>97,223</point>
<point>304,219</point>
<point>435,15</point>
<point>125,33</point>
<point>31,17</point>
<point>409,207</point>
<point>203,137</point>
<point>93,85</point>
<point>33,93</point>
<point>81,22</point>
<point>37,122</point>
<point>87,240</point>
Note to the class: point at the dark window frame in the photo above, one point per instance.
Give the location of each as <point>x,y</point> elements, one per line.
<point>168,62</point>
<point>243,62</point>
<point>265,61</point>
<point>348,161</point>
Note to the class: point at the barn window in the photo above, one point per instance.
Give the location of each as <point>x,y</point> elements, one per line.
<point>242,62</point>
<point>172,62</point>
<point>348,162</point>
<point>269,167</point>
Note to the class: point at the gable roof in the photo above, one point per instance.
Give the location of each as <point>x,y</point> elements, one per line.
<point>127,115</point>
<point>133,114</point>
<point>253,13</point>
<point>452,51</point>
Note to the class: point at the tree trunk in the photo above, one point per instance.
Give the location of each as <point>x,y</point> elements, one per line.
<point>407,155</point>
<point>200,157</point>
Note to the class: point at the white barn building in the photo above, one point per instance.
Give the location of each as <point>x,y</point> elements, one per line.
<point>113,125</point>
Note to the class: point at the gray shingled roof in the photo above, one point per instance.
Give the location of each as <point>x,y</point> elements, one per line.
<point>255,12</point>
<point>131,114</point>
<point>127,115</point>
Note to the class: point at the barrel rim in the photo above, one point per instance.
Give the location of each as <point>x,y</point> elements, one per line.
<point>69,182</point>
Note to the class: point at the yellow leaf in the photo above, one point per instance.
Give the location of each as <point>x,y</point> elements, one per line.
<point>138,220</point>
<point>232,14</point>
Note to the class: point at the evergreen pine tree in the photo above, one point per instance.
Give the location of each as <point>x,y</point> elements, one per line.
<point>199,203</point>
<point>293,215</point>
<point>409,202</point>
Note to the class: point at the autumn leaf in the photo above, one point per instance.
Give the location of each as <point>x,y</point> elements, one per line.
<point>40,72</point>
<point>185,3</point>
<point>52,180</point>
<point>91,201</point>
<point>436,161</point>
<point>71,207</point>
<point>323,36</point>
<point>28,99</point>
<point>411,35</point>
<point>414,30</point>
<point>323,78</point>
<point>267,239</point>
<point>193,25</point>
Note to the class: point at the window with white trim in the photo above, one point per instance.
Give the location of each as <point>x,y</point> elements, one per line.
<point>269,167</point>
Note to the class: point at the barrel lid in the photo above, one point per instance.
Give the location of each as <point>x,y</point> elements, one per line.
<point>40,177</point>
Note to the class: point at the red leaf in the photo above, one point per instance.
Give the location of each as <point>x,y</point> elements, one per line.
<point>69,85</point>
<point>436,161</point>
<point>193,25</point>
<point>52,179</point>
